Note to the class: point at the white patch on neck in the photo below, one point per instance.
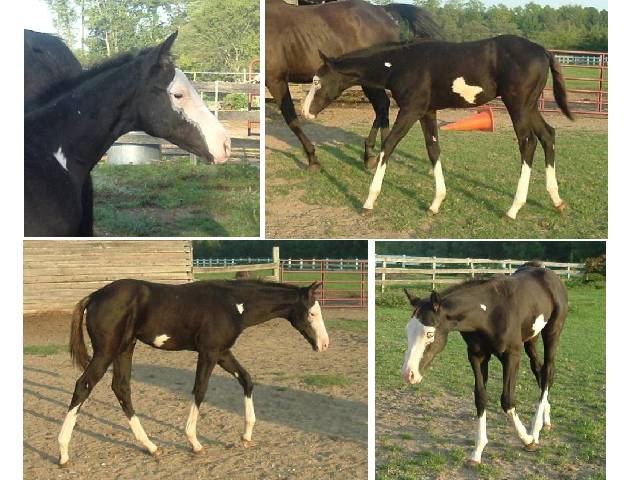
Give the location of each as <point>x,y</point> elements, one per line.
<point>317,323</point>
<point>483,307</point>
<point>538,325</point>
<point>387,64</point>
<point>418,337</point>
<point>240,307</point>
<point>59,156</point>
<point>468,92</point>
<point>160,340</point>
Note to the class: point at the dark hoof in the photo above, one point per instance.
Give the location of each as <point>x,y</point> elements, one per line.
<point>473,463</point>
<point>314,167</point>
<point>155,454</point>
<point>548,427</point>
<point>245,443</point>
<point>562,207</point>
<point>366,212</point>
<point>532,447</point>
<point>508,218</point>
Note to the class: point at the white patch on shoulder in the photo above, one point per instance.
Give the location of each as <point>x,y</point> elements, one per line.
<point>483,307</point>
<point>59,156</point>
<point>387,64</point>
<point>160,340</point>
<point>240,307</point>
<point>468,92</point>
<point>538,325</point>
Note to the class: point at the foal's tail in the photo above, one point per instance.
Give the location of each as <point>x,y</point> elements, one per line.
<point>559,90</point>
<point>77,348</point>
<point>420,22</point>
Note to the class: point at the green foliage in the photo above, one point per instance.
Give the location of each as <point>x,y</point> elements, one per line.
<point>288,248</point>
<point>235,101</point>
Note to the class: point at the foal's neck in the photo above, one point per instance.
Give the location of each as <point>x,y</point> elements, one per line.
<point>261,310</point>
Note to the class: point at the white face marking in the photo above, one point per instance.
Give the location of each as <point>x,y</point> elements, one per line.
<point>538,325</point>
<point>186,101</point>
<point>521,193</point>
<point>190,429</point>
<point>59,156</point>
<point>65,433</point>
<point>418,337</point>
<point>315,86</point>
<point>387,64</point>
<point>240,307</point>
<point>441,189</point>
<point>481,438</point>
<point>249,419</point>
<point>468,92</point>
<point>483,307</point>
<point>552,185</point>
<point>376,184</point>
<point>141,435</point>
<point>160,340</point>
<point>317,323</point>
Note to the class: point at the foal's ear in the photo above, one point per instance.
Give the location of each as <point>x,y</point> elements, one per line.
<point>436,301</point>
<point>163,51</point>
<point>323,57</point>
<point>413,300</point>
<point>312,291</point>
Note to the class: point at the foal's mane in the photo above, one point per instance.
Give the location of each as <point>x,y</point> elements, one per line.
<point>258,284</point>
<point>494,282</point>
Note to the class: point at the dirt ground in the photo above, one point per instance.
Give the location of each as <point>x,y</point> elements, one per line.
<point>287,216</point>
<point>301,432</point>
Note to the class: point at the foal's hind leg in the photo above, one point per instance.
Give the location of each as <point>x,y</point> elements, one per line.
<point>230,364</point>
<point>381,103</point>
<point>543,411</point>
<point>206,361</point>
<point>534,360</point>
<point>510,364</point>
<point>121,386</point>
<point>429,126</point>
<point>90,377</point>
<point>547,136</point>
<point>527,142</point>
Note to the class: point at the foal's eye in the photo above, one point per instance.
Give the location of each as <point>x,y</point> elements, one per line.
<point>178,95</point>
<point>430,334</point>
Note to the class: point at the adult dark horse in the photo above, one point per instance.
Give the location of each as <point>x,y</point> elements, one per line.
<point>425,77</point>
<point>495,316</point>
<point>81,118</point>
<point>48,61</point>
<point>296,34</point>
<point>205,317</point>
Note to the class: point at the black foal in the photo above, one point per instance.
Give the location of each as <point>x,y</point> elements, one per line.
<point>425,77</point>
<point>495,316</point>
<point>206,317</point>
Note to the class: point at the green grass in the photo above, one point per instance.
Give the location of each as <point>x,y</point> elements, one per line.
<point>174,198</point>
<point>45,350</point>
<point>577,397</point>
<point>481,171</point>
<point>577,72</point>
<point>326,380</point>
<point>354,326</point>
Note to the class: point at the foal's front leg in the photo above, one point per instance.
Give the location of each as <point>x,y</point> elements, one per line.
<point>381,103</point>
<point>429,124</point>
<point>230,364</point>
<point>206,361</point>
<point>480,364</point>
<point>403,124</point>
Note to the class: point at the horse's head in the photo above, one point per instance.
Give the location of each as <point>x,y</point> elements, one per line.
<point>328,83</point>
<point>306,317</point>
<point>169,107</point>
<point>426,335</point>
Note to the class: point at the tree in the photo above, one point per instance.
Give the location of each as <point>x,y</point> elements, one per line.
<point>64,16</point>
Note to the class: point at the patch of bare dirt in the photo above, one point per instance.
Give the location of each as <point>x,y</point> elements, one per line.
<point>301,431</point>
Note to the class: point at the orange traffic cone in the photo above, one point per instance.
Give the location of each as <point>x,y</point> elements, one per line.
<point>482,121</point>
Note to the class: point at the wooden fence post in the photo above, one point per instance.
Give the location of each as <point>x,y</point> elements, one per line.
<point>384,275</point>
<point>276,263</point>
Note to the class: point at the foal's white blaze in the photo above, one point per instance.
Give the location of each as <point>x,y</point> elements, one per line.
<point>552,185</point>
<point>418,337</point>
<point>317,323</point>
<point>160,340</point>
<point>186,101</point>
<point>59,156</point>
<point>468,92</point>
<point>441,189</point>
<point>483,307</point>
<point>249,419</point>
<point>190,429</point>
<point>521,193</point>
<point>538,325</point>
<point>240,307</point>
<point>520,428</point>
<point>315,86</point>
<point>538,418</point>
<point>141,435</point>
<point>65,433</point>
<point>376,184</point>
<point>481,438</point>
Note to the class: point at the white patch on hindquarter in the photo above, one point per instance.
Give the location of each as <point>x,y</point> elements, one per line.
<point>387,64</point>
<point>317,323</point>
<point>186,101</point>
<point>160,340</point>
<point>538,325</point>
<point>468,92</point>
<point>418,337</point>
<point>240,307</point>
<point>376,184</point>
<point>59,156</point>
<point>483,307</point>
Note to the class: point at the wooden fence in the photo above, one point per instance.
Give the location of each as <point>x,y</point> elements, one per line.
<point>274,266</point>
<point>57,274</point>
<point>435,270</point>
